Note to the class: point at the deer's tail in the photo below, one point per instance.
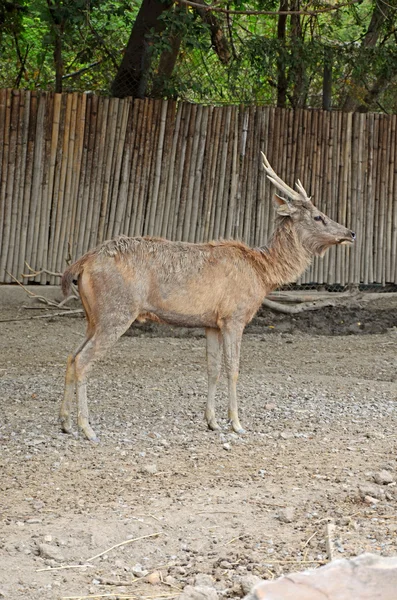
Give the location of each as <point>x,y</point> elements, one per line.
<point>72,273</point>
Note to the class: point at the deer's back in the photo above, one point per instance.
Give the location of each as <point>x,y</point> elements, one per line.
<point>177,282</point>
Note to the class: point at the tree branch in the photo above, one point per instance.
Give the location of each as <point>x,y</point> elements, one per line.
<point>214,8</point>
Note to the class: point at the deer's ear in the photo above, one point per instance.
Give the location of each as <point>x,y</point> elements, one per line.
<point>283,207</point>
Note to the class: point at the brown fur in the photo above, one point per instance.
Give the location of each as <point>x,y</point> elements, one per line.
<point>219,286</point>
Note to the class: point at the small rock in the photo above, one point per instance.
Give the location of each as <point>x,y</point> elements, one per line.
<point>51,552</point>
<point>248,582</point>
<point>383,477</point>
<point>225,564</point>
<point>204,580</point>
<point>270,406</point>
<point>370,500</point>
<point>33,521</point>
<point>48,538</point>
<point>198,593</point>
<point>370,489</point>
<point>227,446</point>
<point>153,578</point>
<point>139,571</point>
<point>287,515</point>
<point>149,469</point>
<point>172,581</point>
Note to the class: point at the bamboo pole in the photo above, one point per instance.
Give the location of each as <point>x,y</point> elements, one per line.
<point>135,225</point>
<point>145,169</point>
<point>154,194</point>
<point>138,110</point>
<point>188,143</point>
<point>108,162</point>
<point>98,175</point>
<point>378,200</point>
<point>122,214</point>
<point>370,209</point>
<point>24,111</point>
<point>170,198</point>
<point>118,201</point>
<point>86,169</point>
<point>359,224</point>
<point>231,215</point>
<point>10,153</point>
<point>23,209</point>
<point>188,225</point>
<point>194,233</point>
<point>150,161</point>
<point>214,136</point>
<point>43,234</point>
<point>63,150</point>
<point>77,172</point>
<point>393,193</point>
<point>63,248</point>
<point>4,202</point>
<point>3,116</point>
<point>160,224</point>
<point>218,233</point>
<point>37,178</point>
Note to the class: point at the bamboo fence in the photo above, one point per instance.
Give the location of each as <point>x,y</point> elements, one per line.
<point>76,169</point>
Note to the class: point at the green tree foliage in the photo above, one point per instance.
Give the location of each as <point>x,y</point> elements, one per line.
<point>301,55</point>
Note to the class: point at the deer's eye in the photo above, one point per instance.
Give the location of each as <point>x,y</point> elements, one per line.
<point>319,218</point>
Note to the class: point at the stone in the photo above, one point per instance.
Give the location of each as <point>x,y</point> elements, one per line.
<point>204,580</point>
<point>201,592</point>
<point>370,489</point>
<point>370,500</point>
<point>149,469</point>
<point>363,578</point>
<point>153,578</point>
<point>287,515</point>
<point>383,477</point>
<point>248,582</point>
<point>51,552</point>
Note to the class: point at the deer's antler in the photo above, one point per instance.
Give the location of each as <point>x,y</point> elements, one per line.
<point>281,185</point>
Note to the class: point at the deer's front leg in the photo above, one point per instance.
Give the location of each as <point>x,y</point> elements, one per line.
<point>231,346</point>
<point>214,364</point>
<point>70,384</point>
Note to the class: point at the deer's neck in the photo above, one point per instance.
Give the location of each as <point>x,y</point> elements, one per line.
<point>284,259</point>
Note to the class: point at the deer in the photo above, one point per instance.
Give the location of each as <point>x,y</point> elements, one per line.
<point>218,286</point>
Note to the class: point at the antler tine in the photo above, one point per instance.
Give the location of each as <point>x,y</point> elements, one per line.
<point>302,190</point>
<point>277,181</point>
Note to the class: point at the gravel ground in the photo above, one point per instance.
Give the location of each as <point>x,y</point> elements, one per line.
<point>320,415</point>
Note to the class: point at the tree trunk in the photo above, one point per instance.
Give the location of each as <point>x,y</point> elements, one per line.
<point>58,25</point>
<point>218,40</point>
<point>298,95</point>
<point>167,62</point>
<point>379,16</point>
<point>282,82</point>
<point>131,78</point>
<point>327,79</point>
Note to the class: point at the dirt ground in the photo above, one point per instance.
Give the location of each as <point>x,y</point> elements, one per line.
<point>162,495</point>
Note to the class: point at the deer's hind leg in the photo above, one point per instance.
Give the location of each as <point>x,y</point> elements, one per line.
<point>70,388</point>
<point>214,364</point>
<point>104,337</point>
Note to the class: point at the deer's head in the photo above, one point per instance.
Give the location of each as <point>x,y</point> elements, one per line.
<point>316,231</point>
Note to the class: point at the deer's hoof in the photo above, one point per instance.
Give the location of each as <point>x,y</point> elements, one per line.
<point>213,426</point>
<point>66,426</point>
<point>237,428</point>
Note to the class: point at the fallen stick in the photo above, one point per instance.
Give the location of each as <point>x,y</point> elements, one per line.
<point>329,542</point>
<point>62,313</point>
<point>143,537</point>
